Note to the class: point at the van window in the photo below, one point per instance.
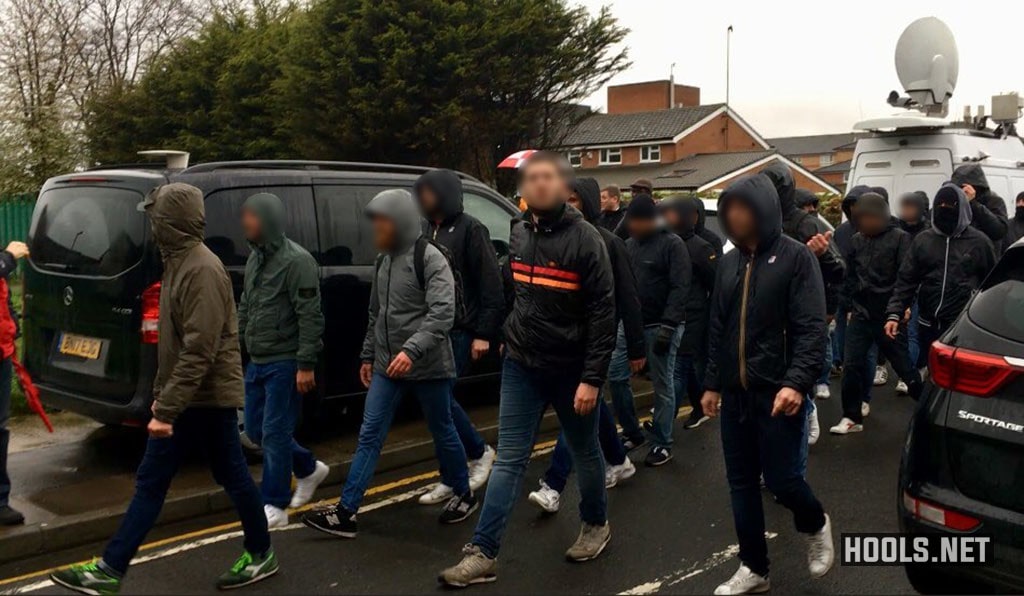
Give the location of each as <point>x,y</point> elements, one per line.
<point>345,233</point>
<point>224,231</point>
<point>87,230</point>
<point>498,221</point>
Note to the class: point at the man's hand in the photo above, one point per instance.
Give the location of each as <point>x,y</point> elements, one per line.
<point>400,366</point>
<point>819,243</point>
<point>586,399</point>
<point>663,339</point>
<point>892,329</point>
<point>305,381</point>
<point>637,366</point>
<point>366,374</point>
<point>906,316</point>
<point>711,403</point>
<point>969,191</point>
<point>159,430</point>
<point>17,249</point>
<point>787,401</point>
<point>479,349</point>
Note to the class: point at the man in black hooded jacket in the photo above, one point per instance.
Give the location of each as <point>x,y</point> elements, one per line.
<point>1016,224</point>
<point>988,211</point>
<point>702,230</point>
<point>912,211</point>
<point>439,193</point>
<point>680,213</point>
<point>945,265</point>
<point>766,340</point>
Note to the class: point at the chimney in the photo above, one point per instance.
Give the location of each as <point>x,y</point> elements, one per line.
<point>651,96</point>
<point>967,114</point>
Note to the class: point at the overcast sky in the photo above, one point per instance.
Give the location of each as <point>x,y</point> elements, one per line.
<point>807,67</point>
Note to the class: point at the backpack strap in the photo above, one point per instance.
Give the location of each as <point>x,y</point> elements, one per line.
<point>418,261</point>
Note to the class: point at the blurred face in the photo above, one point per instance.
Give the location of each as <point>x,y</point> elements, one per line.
<point>1020,203</point>
<point>740,222</point>
<point>639,228</point>
<point>810,208</point>
<point>383,233</point>
<point>671,218</point>
<point>870,224</point>
<point>251,226</point>
<point>910,212</point>
<point>575,201</point>
<point>543,187</point>
<point>428,199</point>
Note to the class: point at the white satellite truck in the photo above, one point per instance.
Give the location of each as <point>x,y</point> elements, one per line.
<point>919,148</point>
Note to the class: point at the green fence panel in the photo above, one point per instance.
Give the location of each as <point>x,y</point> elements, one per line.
<point>15,217</point>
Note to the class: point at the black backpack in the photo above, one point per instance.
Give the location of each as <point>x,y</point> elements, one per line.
<point>419,266</point>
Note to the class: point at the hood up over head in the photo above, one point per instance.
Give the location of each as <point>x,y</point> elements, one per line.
<point>177,216</point>
<point>269,209</point>
<point>971,173</point>
<point>398,206</point>
<point>685,206</point>
<point>781,178</point>
<point>951,211</point>
<point>851,198</point>
<point>702,213</point>
<point>589,192</point>
<point>919,199</point>
<point>447,187</point>
<point>758,193</point>
<point>803,197</point>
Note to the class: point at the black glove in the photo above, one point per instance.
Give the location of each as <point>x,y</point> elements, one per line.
<point>663,339</point>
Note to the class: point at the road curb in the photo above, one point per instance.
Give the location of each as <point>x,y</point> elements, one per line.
<point>96,526</point>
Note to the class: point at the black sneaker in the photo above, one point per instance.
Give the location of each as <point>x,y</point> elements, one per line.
<point>631,443</point>
<point>658,456</point>
<point>10,516</point>
<point>696,419</point>
<point>459,508</point>
<point>335,520</point>
<point>648,426</point>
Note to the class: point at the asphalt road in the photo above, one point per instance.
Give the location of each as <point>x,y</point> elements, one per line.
<point>671,531</point>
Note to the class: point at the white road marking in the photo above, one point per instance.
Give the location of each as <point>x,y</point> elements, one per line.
<point>677,577</point>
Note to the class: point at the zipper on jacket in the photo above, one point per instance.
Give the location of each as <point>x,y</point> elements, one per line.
<point>945,271</point>
<point>743,323</point>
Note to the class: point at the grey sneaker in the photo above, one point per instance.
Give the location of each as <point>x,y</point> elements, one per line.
<point>590,543</point>
<point>474,568</point>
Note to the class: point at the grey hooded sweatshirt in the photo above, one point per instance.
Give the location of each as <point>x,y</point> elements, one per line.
<point>404,317</point>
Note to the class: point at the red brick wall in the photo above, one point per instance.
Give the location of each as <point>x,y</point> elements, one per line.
<point>648,97</point>
<point>711,138</point>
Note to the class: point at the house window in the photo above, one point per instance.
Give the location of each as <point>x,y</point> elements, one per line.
<point>650,153</point>
<point>611,156</point>
<point>825,159</point>
<point>575,158</point>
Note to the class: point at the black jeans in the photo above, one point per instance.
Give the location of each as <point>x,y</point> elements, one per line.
<point>860,335</point>
<point>756,443</point>
<point>927,333</point>
<point>213,432</point>
<point>5,435</point>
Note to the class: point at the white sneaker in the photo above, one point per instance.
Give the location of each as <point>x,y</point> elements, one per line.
<point>865,409</point>
<point>441,493</point>
<point>305,487</point>
<point>546,498</point>
<point>822,391</point>
<point>901,388</point>
<point>881,375</point>
<point>813,426</point>
<point>821,552</point>
<point>276,518</point>
<point>616,474</point>
<point>480,469</point>
<point>744,581</point>
<point>845,427</point>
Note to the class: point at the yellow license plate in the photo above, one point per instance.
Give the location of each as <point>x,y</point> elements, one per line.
<point>77,345</point>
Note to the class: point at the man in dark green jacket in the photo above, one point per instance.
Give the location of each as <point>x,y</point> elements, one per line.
<point>281,325</point>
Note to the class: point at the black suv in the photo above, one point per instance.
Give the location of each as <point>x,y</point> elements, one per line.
<point>962,471</point>
<point>92,284</point>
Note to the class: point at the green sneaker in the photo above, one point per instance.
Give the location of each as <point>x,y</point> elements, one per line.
<point>248,569</point>
<point>87,579</point>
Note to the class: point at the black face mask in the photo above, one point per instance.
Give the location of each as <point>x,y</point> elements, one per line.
<point>1019,213</point>
<point>946,218</point>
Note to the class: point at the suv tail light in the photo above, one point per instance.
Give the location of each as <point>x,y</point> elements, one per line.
<point>970,372</point>
<point>151,314</point>
<point>935,514</point>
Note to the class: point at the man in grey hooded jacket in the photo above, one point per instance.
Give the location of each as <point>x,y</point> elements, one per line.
<point>407,350</point>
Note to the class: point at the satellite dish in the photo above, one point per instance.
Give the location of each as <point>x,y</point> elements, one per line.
<point>927,63</point>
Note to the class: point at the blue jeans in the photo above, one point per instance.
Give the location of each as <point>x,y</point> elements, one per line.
<point>435,397</point>
<point>272,409</point>
<point>622,394</point>
<point>913,334</point>
<point>754,443</point>
<point>662,371</point>
<point>684,380</point>
<point>561,460</point>
<point>6,374</point>
<point>525,395</point>
<point>214,431</point>
<point>472,442</point>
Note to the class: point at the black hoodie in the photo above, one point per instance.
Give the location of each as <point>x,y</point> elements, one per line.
<point>767,326</point>
<point>627,301</point>
<point>844,233</point>
<point>704,260</point>
<point>872,268</point>
<point>1015,225</point>
<point>472,252</point>
<point>987,209</point>
<point>701,230</point>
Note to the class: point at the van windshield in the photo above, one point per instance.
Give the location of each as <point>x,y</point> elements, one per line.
<point>87,230</point>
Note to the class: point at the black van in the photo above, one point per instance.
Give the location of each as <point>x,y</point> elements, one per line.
<point>92,284</point>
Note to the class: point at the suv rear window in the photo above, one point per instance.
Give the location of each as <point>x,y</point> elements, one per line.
<point>87,230</point>
<point>999,308</point>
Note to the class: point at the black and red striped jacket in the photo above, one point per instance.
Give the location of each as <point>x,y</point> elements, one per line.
<point>563,316</point>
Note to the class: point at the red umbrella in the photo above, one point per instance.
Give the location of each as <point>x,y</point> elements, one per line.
<point>31,392</point>
<point>517,159</point>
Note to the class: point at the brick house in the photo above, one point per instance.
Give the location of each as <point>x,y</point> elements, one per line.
<point>660,130</point>
<point>828,156</point>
